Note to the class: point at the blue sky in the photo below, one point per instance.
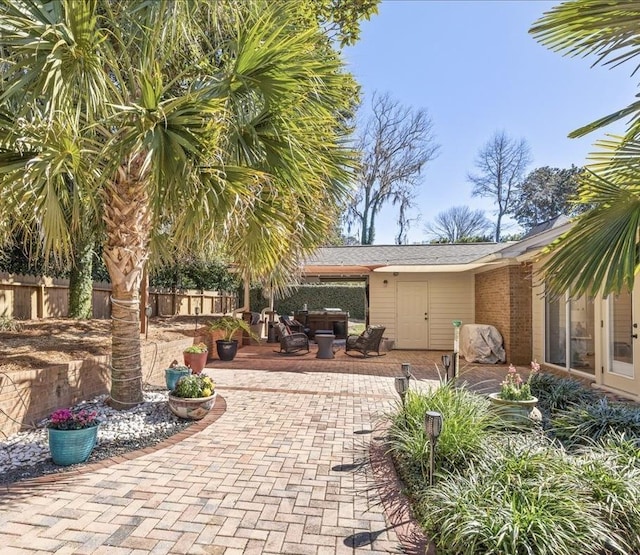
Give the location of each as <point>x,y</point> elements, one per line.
<point>473,66</point>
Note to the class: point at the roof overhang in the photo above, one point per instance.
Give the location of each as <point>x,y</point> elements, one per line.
<point>430,268</point>
<point>313,274</point>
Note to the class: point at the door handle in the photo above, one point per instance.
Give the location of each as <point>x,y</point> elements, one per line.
<point>634,335</point>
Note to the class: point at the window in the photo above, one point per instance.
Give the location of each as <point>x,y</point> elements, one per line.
<point>570,322</point>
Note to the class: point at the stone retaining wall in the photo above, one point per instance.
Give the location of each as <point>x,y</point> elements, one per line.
<point>28,396</point>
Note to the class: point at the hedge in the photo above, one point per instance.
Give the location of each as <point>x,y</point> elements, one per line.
<point>350,298</point>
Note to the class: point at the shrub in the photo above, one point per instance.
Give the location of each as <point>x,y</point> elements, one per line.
<point>555,393</point>
<point>614,485</point>
<point>581,424</point>
<point>467,421</point>
<point>524,497</point>
<point>9,324</point>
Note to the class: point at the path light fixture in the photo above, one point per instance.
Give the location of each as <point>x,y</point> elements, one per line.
<point>148,310</point>
<point>433,427</point>
<point>402,386</point>
<point>406,370</point>
<point>456,347</point>
<point>196,309</point>
<point>446,362</point>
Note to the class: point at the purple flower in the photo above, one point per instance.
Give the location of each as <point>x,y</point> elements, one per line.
<point>66,419</point>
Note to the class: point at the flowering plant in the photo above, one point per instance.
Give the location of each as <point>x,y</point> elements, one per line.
<point>194,386</point>
<point>514,388</point>
<point>66,419</point>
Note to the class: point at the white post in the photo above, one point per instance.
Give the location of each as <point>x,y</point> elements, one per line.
<point>456,347</point>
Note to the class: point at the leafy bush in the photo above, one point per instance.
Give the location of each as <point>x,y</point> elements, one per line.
<point>9,324</point>
<point>524,497</point>
<point>614,484</point>
<point>581,424</point>
<point>555,393</point>
<point>467,421</point>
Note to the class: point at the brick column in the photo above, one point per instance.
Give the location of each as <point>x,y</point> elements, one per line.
<point>503,300</point>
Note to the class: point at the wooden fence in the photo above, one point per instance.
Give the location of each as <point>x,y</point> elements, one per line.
<point>30,297</point>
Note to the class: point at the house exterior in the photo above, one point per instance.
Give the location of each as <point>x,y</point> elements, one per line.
<point>417,291</point>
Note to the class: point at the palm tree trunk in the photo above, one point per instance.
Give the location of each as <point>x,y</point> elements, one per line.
<point>125,252</point>
<point>81,279</point>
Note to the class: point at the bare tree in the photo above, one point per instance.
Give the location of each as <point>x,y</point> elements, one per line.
<point>405,199</point>
<point>458,223</point>
<point>395,144</point>
<point>501,162</point>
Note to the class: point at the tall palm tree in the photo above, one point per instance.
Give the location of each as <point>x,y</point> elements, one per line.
<point>216,122</point>
<point>600,254</point>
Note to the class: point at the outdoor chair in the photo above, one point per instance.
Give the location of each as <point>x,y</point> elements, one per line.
<point>291,342</point>
<point>367,342</point>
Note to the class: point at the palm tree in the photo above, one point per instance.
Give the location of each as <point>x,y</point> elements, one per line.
<point>600,252</point>
<point>215,122</point>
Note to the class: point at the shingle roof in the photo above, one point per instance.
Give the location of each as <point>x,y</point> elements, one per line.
<point>370,255</point>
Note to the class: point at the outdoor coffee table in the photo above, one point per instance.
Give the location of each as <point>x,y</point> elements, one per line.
<point>325,344</point>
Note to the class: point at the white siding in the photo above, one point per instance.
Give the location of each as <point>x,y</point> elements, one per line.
<point>451,297</point>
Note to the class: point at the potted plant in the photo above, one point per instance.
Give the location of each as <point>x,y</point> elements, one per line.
<point>195,357</point>
<point>229,326</point>
<point>193,396</point>
<point>174,373</point>
<point>515,398</point>
<point>72,435</point>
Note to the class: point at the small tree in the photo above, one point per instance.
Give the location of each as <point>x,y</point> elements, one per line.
<point>457,224</point>
<point>501,162</point>
<point>395,144</point>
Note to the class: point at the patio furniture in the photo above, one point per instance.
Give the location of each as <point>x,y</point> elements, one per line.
<point>367,342</point>
<point>325,345</point>
<point>291,342</point>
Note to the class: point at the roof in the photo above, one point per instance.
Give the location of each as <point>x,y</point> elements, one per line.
<point>374,256</point>
<point>553,223</point>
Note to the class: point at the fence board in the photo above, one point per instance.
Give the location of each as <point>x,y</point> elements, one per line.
<point>30,297</point>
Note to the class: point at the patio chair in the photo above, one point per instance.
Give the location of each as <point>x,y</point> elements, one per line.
<point>291,342</point>
<point>367,342</point>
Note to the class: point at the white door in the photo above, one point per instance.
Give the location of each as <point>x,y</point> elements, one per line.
<point>413,315</point>
<point>621,338</point>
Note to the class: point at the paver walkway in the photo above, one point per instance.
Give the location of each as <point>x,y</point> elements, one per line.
<point>279,472</point>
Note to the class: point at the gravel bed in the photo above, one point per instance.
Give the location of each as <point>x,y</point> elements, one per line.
<point>26,454</point>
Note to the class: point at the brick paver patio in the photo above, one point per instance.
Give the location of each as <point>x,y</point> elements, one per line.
<point>282,470</point>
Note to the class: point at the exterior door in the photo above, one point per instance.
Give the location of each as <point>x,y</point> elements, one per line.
<point>413,315</point>
<point>621,338</point>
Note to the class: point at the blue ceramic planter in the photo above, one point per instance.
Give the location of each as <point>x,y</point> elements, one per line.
<point>172,375</point>
<point>71,446</point>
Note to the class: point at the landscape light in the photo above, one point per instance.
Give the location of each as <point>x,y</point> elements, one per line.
<point>433,428</point>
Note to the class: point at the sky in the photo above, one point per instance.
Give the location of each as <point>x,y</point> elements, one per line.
<point>476,70</point>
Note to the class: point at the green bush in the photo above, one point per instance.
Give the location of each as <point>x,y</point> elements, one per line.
<point>555,393</point>
<point>467,419</point>
<point>613,480</point>
<point>582,424</point>
<point>522,497</point>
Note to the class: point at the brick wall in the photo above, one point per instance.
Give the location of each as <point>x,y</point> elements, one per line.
<point>503,300</point>
<point>28,396</point>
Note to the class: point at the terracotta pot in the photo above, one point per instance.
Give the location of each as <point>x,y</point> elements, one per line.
<point>195,361</point>
<point>191,409</point>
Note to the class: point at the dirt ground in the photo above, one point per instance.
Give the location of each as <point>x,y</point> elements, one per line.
<point>41,343</point>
